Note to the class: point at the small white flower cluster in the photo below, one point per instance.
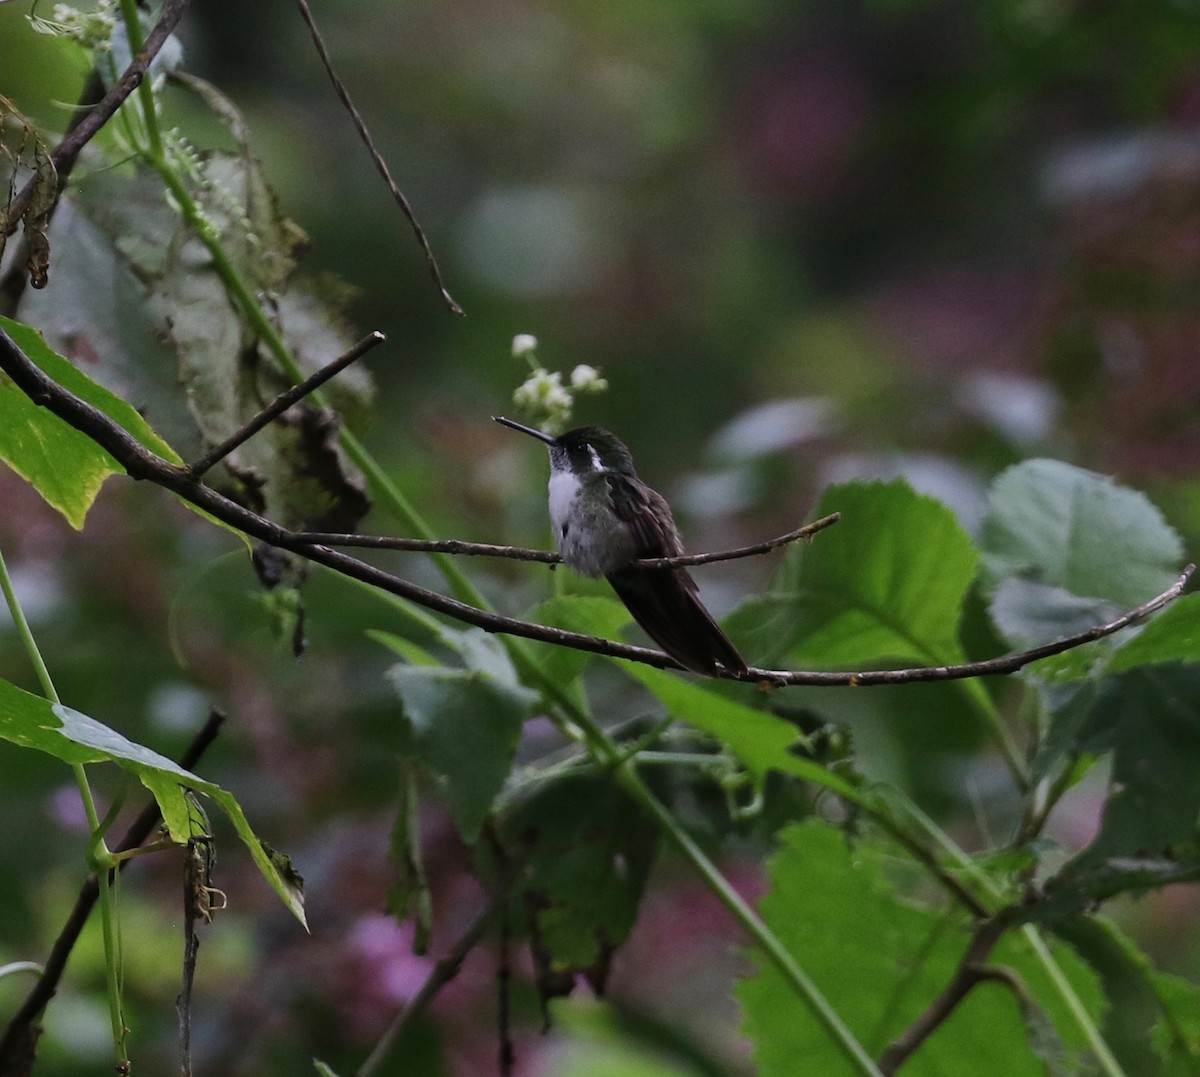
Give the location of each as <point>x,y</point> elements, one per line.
<point>543,397</point>
<point>91,29</point>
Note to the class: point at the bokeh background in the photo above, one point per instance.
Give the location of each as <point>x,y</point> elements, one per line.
<point>805,242</point>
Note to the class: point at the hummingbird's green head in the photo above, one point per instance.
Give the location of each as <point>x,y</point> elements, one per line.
<point>588,448</point>
<point>584,450</point>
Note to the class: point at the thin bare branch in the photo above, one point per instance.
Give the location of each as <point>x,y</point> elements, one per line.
<point>1010,663</point>
<point>443,972</point>
<point>520,553</point>
<point>800,534</point>
<point>20,1036</point>
<point>380,164</point>
<point>970,972</point>
<point>284,401</point>
<point>141,463</point>
<point>450,546</point>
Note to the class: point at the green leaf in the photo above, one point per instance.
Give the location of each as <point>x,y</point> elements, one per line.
<point>172,804</point>
<point>413,653</point>
<point>463,726</point>
<point>65,466</point>
<point>1172,636</point>
<point>1060,529</point>
<point>590,614</point>
<point>888,584</point>
<point>1027,613</point>
<point>483,652</point>
<point>1149,719</point>
<point>880,958</point>
<point>761,741</point>
<point>585,850</point>
<point>32,722</point>
<point>1153,1019</point>
<point>1176,1033</point>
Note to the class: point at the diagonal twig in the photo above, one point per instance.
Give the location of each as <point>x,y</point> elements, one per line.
<point>282,402</point>
<point>380,164</point>
<point>519,553</point>
<point>143,464</point>
<point>20,1035</point>
<point>443,972</point>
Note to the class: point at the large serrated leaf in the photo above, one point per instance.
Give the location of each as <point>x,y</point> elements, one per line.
<point>888,584</point>
<point>880,958</point>
<point>585,851</point>
<point>1060,529</point>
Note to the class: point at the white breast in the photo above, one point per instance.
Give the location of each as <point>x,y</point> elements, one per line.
<point>564,485</point>
<point>584,532</point>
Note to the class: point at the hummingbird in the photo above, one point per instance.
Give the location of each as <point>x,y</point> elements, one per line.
<point>604,519</point>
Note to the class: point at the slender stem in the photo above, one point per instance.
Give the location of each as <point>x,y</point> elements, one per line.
<point>376,157</point>
<point>766,939</point>
<point>798,535</point>
<point>1083,1019</point>
<point>676,759</point>
<point>443,972</point>
<point>25,635</point>
<point>97,852</point>
<point>112,973</point>
<point>133,29</point>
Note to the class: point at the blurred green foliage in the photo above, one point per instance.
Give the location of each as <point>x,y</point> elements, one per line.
<point>805,242</point>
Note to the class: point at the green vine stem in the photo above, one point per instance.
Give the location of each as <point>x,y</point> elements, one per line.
<point>98,856</point>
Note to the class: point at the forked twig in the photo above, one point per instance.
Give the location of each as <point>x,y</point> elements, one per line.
<point>282,402</point>
<point>970,972</point>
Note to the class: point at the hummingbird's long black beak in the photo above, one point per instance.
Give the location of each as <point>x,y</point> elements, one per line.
<point>541,435</point>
